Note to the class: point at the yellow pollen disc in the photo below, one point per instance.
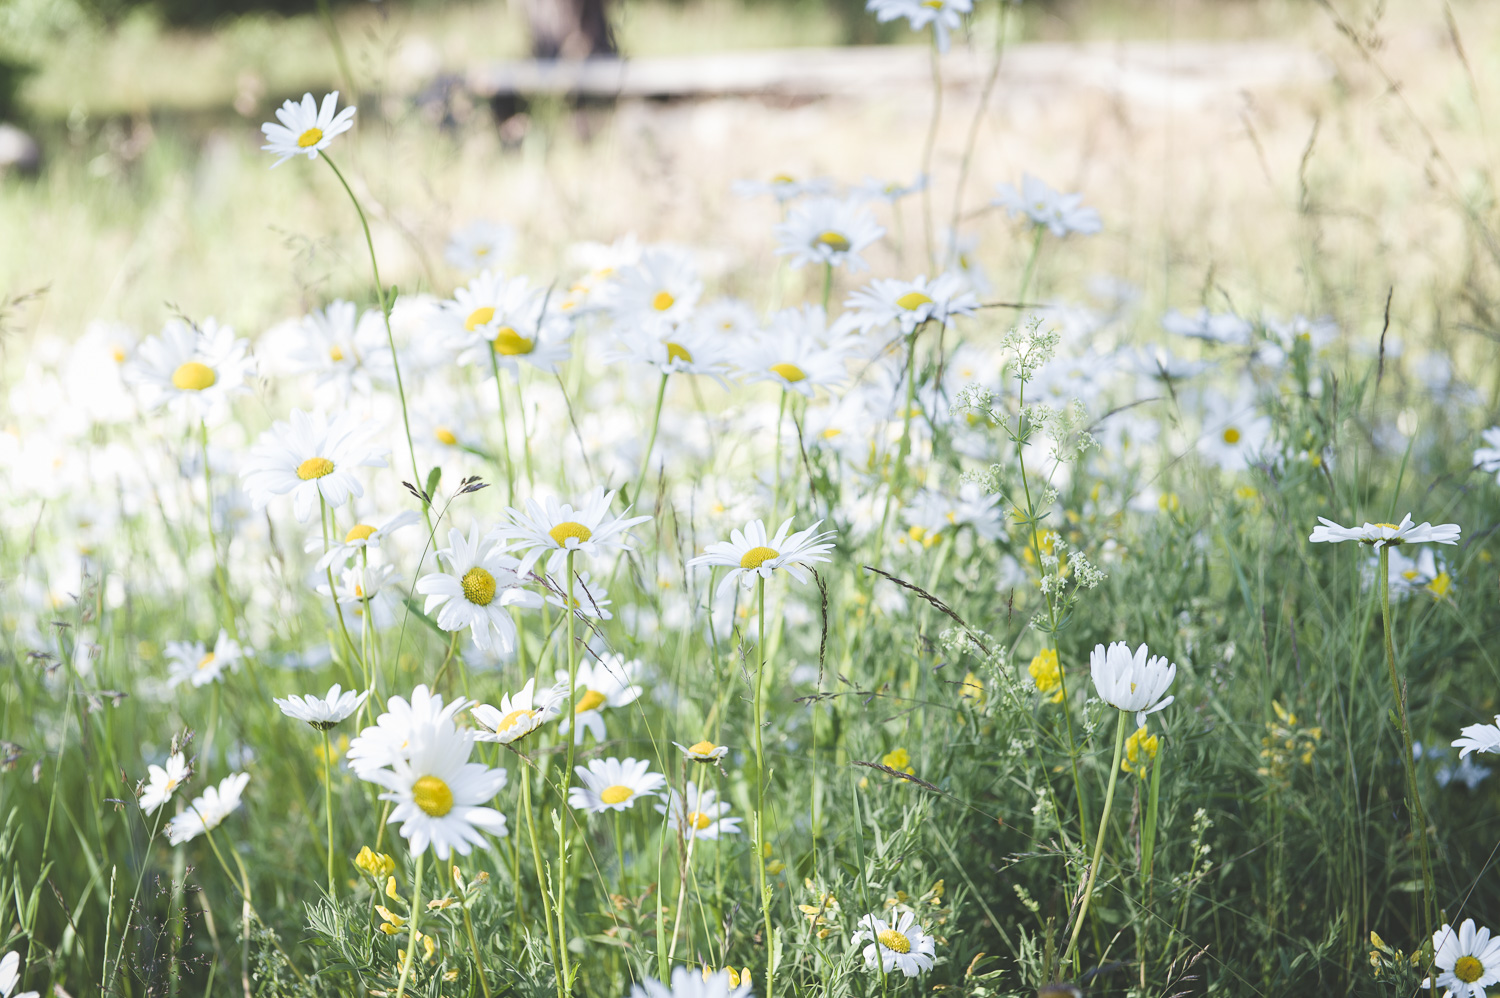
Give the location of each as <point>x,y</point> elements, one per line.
<point>479,317</point>
<point>314,467</point>
<point>1391,525</point>
<point>831,432</point>
<point>913,299</point>
<point>206,661</point>
<point>481,251</point>
<point>835,241</point>
<point>309,138</point>
<point>432,796</point>
<point>756,557</point>
<point>590,700</point>
<point>567,529</point>
<point>445,436</point>
<point>335,354</point>
<point>118,355</point>
<point>1468,969</point>
<point>615,794</point>
<point>893,940</point>
<point>359,532</point>
<point>934,4</point>
<point>790,372</point>
<point>510,343</point>
<point>513,718</point>
<point>702,748</point>
<point>1231,436</point>
<point>783,178</point>
<point>676,351</point>
<point>479,586</point>
<point>662,301</point>
<point>194,377</point>
<point>699,820</point>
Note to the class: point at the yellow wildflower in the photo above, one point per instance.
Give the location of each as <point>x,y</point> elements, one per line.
<point>1046,674</point>
<point>1140,751</point>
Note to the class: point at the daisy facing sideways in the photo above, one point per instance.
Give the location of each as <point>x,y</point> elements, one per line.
<point>312,458</point>
<point>553,529</point>
<point>519,715</point>
<point>162,781</point>
<point>1386,534</point>
<point>208,812</point>
<point>750,553</point>
<point>613,784</point>
<point>1469,960</point>
<point>607,683</point>
<point>482,582</point>
<point>305,127</point>
<point>190,662</point>
<point>1479,738</point>
<point>900,944</point>
<point>322,712</point>
<point>698,813</point>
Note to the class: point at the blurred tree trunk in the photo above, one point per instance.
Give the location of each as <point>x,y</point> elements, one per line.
<point>569,29</point>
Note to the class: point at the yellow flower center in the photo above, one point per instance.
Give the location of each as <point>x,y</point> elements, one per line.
<point>615,794</point>
<point>893,940</point>
<point>509,343</point>
<point>432,796</point>
<point>359,532</point>
<point>194,377</point>
<point>676,351</point>
<point>831,432</point>
<point>835,241</point>
<point>662,301</point>
<point>513,718</point>
<point>783,178</point>
<point>1468,969</point>
<point>445,436</point>
<point>206,661</point>
<point>118,354</point>
<point>310,138</point>
<point>934,4</point>
<point>790,372</point>
<point>590,700</point>
<point>1391,525</point>
<point>756,557</point>
<point>1231,436</point>
<point>479,317</point>
<point>479,586</point>
<point>702,748</point>
<point>335,354</point>
<point>314,467</point>
<point>567,529</point>
<point>699,820</point>
<point>912,300</point>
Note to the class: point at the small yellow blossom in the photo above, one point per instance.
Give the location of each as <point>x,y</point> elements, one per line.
<point>972,688</point>
<point>374,864</point>
<point>1140,751</point>
<point>898,760</point>
<point>1046,673</point>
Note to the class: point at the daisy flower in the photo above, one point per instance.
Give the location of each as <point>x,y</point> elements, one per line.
<point>361,537</point>
<point>704,751</point>
<point>699,812</point>
<point>479,310</point>
<point>346,352</point>
<point>1212,327</point>
<point>367,587</point>
<point>1386,534</point>
<point>660,290</point>
<point>312,457</point>
<point>901,944</point>
<point>439,794</point>
<point>751,554</point>
<point>944,15</point>
<point>1061,213</point>
<point>795,362</point>
<point>482,583</point>
<point>190,662</point>
<point>208,812</point>
<point>783,187</point>
<point>911,303</point>
<point>193,370</point>
<point>890,191</point>
<point>325,711</point>
<point>553,529</point>
<point>162,782</point>
<point>1131,681</point>
<point>827,231</point>
<point>306,128</point>
<point>478,245</point>
<point>695,984</point>
<point>390,737</point>
<point>608,683</point>
<point>1479,738</point>
<point>1469,960</point>
<point>1487,458</point>
<point>613,785</point>
<point>590,598</point>
<point>10,976</point>
<point>1235,433</point>
<point>519,715</point>
<point>686,349</point>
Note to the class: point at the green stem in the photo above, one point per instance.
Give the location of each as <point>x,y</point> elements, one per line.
<point>1109,800</point>
<point>1036,249</point>
<point>510,471</point>
<point>567,780</point>
<point>927,149</point>
<point>661,394</point>
<point>541,880</point>
<point>484,983</point>
<point>827,285</point>
<point>328,806</point>
<point>411,926</point>
<point>760,787</point>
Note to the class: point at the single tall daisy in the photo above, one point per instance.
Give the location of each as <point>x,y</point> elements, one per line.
<point>322,712</point>
<point>945,16</point>
<point>311,457</point>
<point>208,812</point>
<point>908,304</point>
<point>482,583</point>
<point>162,781</point>
<point>900,944</point>
<point>305,127</point>
<point>1132,681</point>
<point>553,529</point>
<point>751,554</point>
<point>1386,534</point>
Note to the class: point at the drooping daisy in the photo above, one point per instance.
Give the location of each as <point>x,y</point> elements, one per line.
<point>322,712</point>
<point>190,662</point>
<point>10,976</point>
<point>1469,960</point>
<point>750,553</point>
<point>193,370</point>
<point>908,304</point>
<point>1132,681</point>
<point>482,583</point>
<point>1479,738</point>
<point>704,751</point>
<point>1386,534</point>
<point>162,781</point>
<point>360,537</point>
<point>478,245</point>
<point>606,684</point>
<point>439,794</point>
<point>944,15</point>
<point>207,812</point>
<point>827,230</point>
<point>519,715</point>
<point>1061,213</point>
<point>553,529</point>
<point>900,944</point>
<point>613,785</point>
<point>305,127</point>
<point>698,813</point>
<point>590,598</point>
<point>312,457</point>
<point>390,737</point>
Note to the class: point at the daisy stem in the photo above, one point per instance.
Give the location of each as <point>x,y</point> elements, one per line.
<point>1036,249</point>
<point>661,394</point>
<point>620,851</point>
<point>1418,814</point>
<point>390,338</point>
<point>510,471</point>
<point>213,539</point>
<point>541,879</point>
<point>567,780</point>
<point>682,879</point>
<point>1109,799</point>
<point>827,285</point>
<point>328,805</point>
<point>776,491</point>
<point>333,593</point>
<point>411,940</point>
<point>927,149</point>
<point>760,787</point>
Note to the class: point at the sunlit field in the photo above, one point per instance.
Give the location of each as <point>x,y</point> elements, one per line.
<point>1019,523</point>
